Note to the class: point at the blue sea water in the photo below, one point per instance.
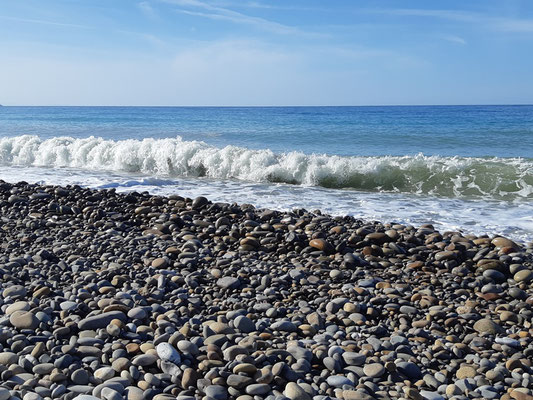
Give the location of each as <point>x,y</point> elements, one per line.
<point>458,167</point>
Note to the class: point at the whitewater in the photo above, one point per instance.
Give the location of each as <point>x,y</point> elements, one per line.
<point>478,195</point>
<point>467,168</point>
<point>489,178</point>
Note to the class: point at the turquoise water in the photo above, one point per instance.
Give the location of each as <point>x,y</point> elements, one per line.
<point>459,167</point>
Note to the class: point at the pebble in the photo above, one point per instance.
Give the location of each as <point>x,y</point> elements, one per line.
<point>133,296</point>
<point>244,324</point>
<point>339,381</point>
<point>216,392</point>
<point>487,326</point>
<point>374,370</point>
<point>295,392</point>
<point>167,352</point>
<point>23,320</point>
<point>101,320</point>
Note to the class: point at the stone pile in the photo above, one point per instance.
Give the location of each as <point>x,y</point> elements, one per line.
<point>132,296</point>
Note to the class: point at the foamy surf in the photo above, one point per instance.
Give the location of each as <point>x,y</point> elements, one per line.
<point>462,177</point>
<point>492,217</point>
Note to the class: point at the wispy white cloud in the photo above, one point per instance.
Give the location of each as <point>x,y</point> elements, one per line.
<point>241,19</point>
<point>147,37</point>
<point>454,39</point>
<point>265,6</point>
<point>505,24</point>
<point>207,10</point>
<point>44,22</point>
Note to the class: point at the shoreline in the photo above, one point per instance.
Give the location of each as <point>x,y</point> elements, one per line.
<point>128,295</point>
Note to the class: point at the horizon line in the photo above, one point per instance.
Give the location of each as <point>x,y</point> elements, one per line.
<point>277,106</point>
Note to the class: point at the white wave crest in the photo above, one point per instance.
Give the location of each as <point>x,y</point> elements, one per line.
<point>448,176</point>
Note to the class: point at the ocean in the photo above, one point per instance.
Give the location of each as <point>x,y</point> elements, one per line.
<point>466,168</point>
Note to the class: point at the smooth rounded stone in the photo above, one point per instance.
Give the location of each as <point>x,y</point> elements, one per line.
<point>7,358</point>
<point>427,395</point>
<point>409,369</point>
<point>300,352</point>
<point>368,283</point>
<point>466,372</point>
<point>137,313</point>
<point>216,392</point>
<point>144,360</point>
<point>524,275</point>
<point>17,306</point>
<point>409,310</point>
<point>331,364</point>
<point>167,352</point>
<point>230,353</point>
<point>199,202</point>
<point>228,282</point>
<point>24,320</point>
<point>508,316</point>
<point>494,275</point>
<point>338,381</point>
<point>517,293</point>
<point>110,394</point>
<point>487,326</point>
<point>244,324</point>
<point>508,342</point>
<point>80,377</point>
<point>466,384</point>
<point>284,326</point>
<point>321,244</point>
<point>219,327</point>
<point>187,347</point>
<point>43,369</point>
<point>133,393</point>
<point>164,396</point>
<point>15,291</point>
<point>488,392</point>
<point>117,386</point>
<point>100,321</point>
<point>377,237</point>
<point>295,392</point>
<point>352,358</point>
<point>238,381</point>
<point>68,305</point>
<point>494,375</point>
<point>258,389</point>
<point>504,242</point>
<point>445,255</point>
<point>86,397</point>
<point>4,394</point>
<point>412,393</point>
<point>245,368</point>
<point>335,274</point>
<point>104,373</point>
<point>453,390</point>
<point>159,263</point>
<point>374,370</point>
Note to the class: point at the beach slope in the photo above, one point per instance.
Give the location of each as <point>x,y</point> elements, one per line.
<point>146,297</point>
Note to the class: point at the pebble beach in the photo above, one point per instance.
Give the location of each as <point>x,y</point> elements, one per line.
<point>133,296</point>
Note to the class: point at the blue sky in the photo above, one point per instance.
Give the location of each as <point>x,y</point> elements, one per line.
<point>217,52</point>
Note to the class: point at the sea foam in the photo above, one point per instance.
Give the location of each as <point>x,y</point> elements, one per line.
<point>496,178</point>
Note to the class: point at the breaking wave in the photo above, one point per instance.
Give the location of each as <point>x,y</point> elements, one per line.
<point>497,178</point>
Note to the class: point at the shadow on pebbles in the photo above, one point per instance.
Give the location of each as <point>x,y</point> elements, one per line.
<point>132,296</point>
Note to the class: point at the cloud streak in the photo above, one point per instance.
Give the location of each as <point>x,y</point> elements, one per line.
<point>504,24</point>
<point>43,22</point>
<point>206,10</point>
<point>455,39</point>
